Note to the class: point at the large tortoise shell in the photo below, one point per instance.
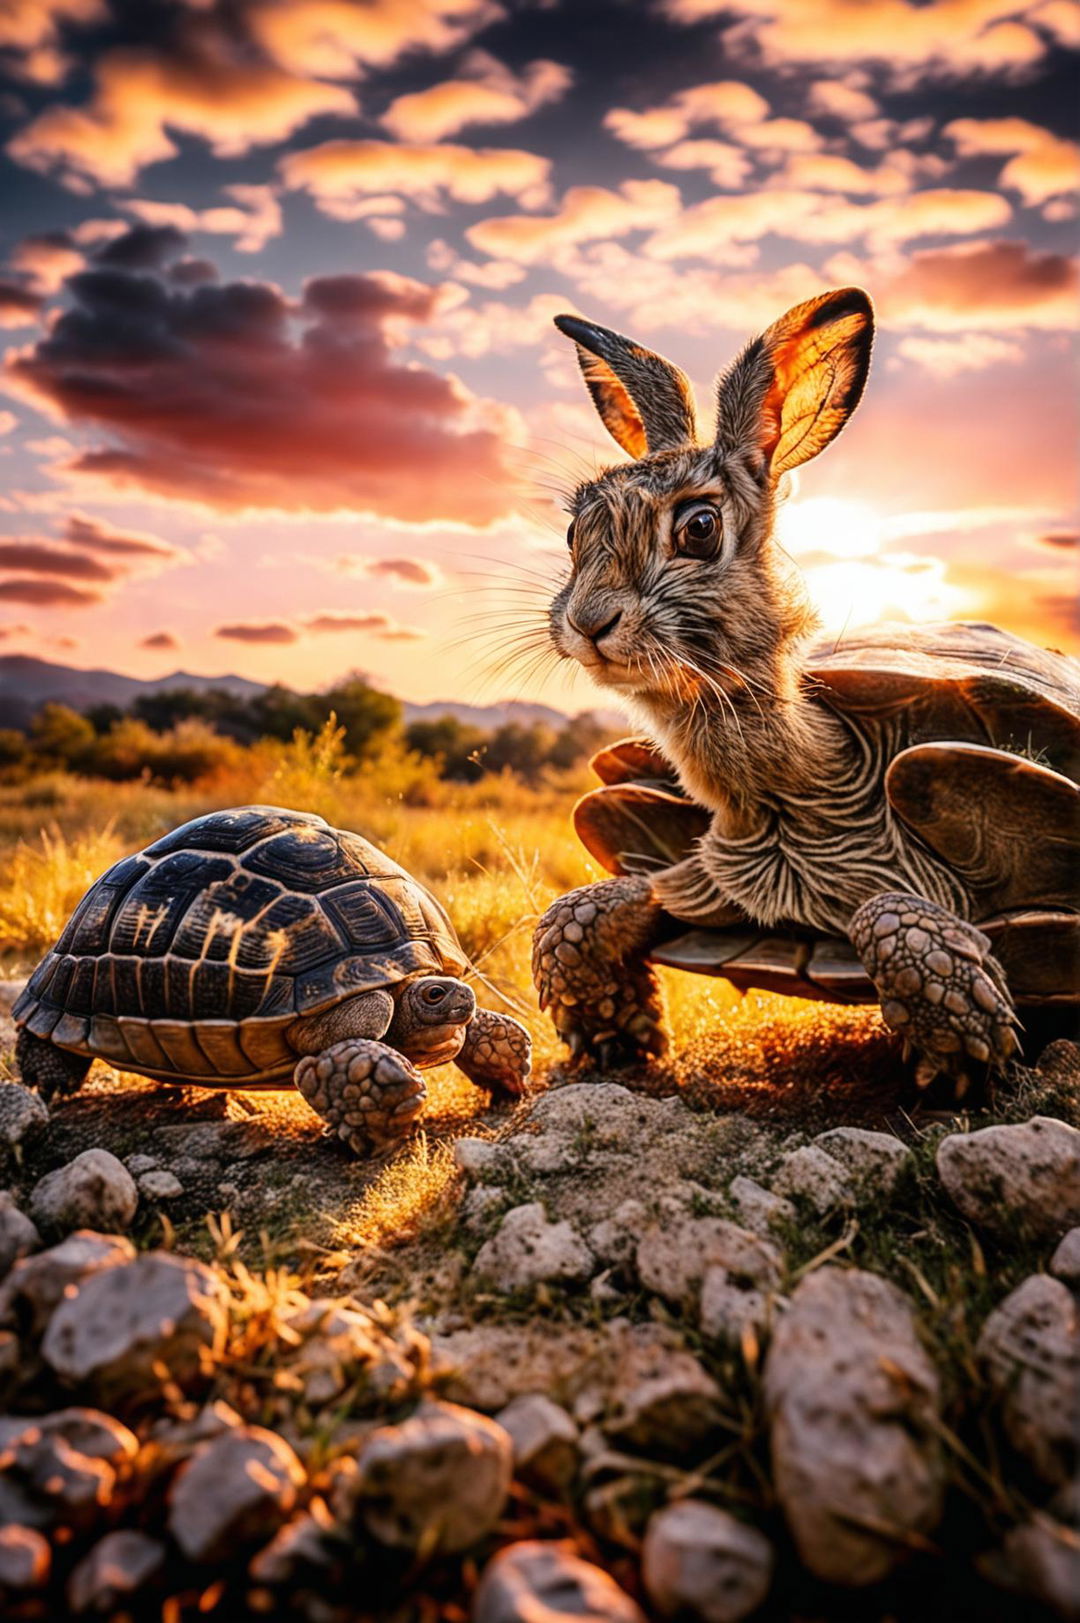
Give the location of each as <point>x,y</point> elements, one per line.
<point>193,957</point>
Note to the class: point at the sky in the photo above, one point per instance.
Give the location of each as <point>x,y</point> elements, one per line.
<point>281,391</point>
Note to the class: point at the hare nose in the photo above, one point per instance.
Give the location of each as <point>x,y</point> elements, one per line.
<point>596,629</point>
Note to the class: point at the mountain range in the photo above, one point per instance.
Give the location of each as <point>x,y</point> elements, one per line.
<point>27,683</point>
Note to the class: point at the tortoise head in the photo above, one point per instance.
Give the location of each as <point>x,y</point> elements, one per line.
<point>676,587</point>
<point>430,1016</point>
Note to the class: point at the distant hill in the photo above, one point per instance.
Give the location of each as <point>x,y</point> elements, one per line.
<point>26,684</point>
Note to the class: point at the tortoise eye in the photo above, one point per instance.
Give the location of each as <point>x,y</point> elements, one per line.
<point>698,530</point>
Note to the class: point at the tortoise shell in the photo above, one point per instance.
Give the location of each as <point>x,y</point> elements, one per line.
<point>982,711</point>
<point>191,959</point>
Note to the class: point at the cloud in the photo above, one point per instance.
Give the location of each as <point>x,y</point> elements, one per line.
<point>727,104</point>
<point>487,92</point>
<point>835,98</point>
<point>40,558</point>
<point>969,352</point>
<point>407,571</point>
<point>1059,540</point>
<point>343,176</point>
<point>31,31</point>
<point>253,217</point>
<point>334,39</point>
<point>204,83</point>
<point>380,626</point>
<point>46,259</point>
<point>1042,166</point>
<point>981,285</point>
<point>781,135</point>
<point>47,594</point>
<point>235,397</point>
<point>726,165</point>
<point>586,213</point>
<point>253,631</point>
<point>910,40</point>
<point>20,306</point>
<point>134,546</point>
<point>8,422</point>
<point>160,640</point>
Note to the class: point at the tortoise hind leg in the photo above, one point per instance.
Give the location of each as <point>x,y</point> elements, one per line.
<point>364,1090</point>
<point>940,985</point>
<point>49,1069</point>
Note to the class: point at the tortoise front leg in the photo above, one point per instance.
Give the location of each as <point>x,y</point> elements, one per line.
<point>496,1053</point>
<point>940,985</point>
<point>366,1091</point>
<point>590,970</point>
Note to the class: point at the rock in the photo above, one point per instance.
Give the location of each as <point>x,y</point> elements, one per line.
<point>339,1343</point>
<point>853,1402</point>
<point>155,1185</point>
<point>1040,1558</point>
<point>23,1118</point>
<point>435,1483</point>
<point>728,1312</point>
<point>485,1366</point>
<point>700,1562</point>
<point>661,1398</point>
<point>759,1209</point>
<point>18,1236</point>
<point>1030,1345</point>
<point>476,1156</point>
<point>138,1164</point>
<point>593,1119</point>
<point>675,1252</point>
<point>545,1441</point>
<point>302,1544</point>
<point>1065,1263</point>
<point>95,1191</point>
<point>25,1560</point>
<point>538,1581</point>
<point>116,1569</point>
<point>234,1492</point>
<point>526,1250</point>
<point>875,1162</point>
<point>479,1203</point>
<point>812,1175</point>
<point>126,1329</point>
<point>615,1239</point>
<point>68,1461</point>
<point>37,1284</point>
<point>204,1141</point>
<point>1023,1178</point>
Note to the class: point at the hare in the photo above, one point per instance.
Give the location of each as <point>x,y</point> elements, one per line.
<point>681,601</point>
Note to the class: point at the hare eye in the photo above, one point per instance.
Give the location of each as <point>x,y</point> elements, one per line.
<point>570,535</point>
<point>698,530</point>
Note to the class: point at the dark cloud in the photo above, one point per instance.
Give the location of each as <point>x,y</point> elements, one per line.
<point>160,640</point>
<point>211,394</point>
<point>47,594</point>
<point>40,558</point>
<point>191,272</point>
<point>996,284</point>
<point>20,306</point>
<point>273,631</point>
<point>100,536</point>
<point>413,571</point>
<point>1060,540</point>
<point>349,622</point>
<point>143,247</point>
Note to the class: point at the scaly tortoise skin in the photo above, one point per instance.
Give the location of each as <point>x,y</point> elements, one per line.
<point>967,699</point>
<point>258,946</point>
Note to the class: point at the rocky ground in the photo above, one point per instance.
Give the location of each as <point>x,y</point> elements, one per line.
<point>638,1348</point>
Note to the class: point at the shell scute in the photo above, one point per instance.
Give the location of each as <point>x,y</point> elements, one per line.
<point>307,858</point>
<point>151,912</point>
<point>232,831</point>
<point>292,936</point>
<point>366,917</point>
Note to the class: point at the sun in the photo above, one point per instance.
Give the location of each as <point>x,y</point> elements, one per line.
<point>841,547</point>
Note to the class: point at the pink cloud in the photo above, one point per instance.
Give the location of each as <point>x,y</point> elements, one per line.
<point>487,92</point>
<point>343,176</point>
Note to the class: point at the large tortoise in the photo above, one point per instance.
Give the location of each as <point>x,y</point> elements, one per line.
<point>890,813</point>
<point>255,947</point>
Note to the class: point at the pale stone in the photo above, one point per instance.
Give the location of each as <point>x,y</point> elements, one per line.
<point>875,1162</point>
<point>528,1250</point>
<point>1023,1178</point>
<point>544,1438</point>
<point>759,1209</point>
<point>475,1155</point>
<point>614,1239</point>
<point>540,1581</point>
<point>660,1396</point>
<point>160,1185</point>
<point>18,1236</point>
<point>854,1404</point>
<point>812,1175</point>
<point>1030,1345</point>
<point>436,1482</point>
<point>700,1562</point>
<point>234,1492</point>
<point>95,1191</point>
<point>729,1312</point>
<point>675,1252</point>
<point>1065,1263</point>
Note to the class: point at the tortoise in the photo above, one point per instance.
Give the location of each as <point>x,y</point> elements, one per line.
<point>890,814</point>
<point>257,946</point>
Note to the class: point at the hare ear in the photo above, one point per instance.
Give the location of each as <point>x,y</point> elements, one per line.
<point>645,402</point>
<point>792,390</point>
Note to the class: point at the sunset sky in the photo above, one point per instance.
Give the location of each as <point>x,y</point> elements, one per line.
<point>281,389</point>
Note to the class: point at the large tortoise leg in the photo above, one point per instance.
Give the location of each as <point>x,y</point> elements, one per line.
<point>940,985</point>
<point>496,1053</point>
<point>367,1092</point>
<point>590,970</point>
<point>49,1069</point>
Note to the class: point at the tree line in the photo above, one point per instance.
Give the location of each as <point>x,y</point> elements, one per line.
<point>184,734</point>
